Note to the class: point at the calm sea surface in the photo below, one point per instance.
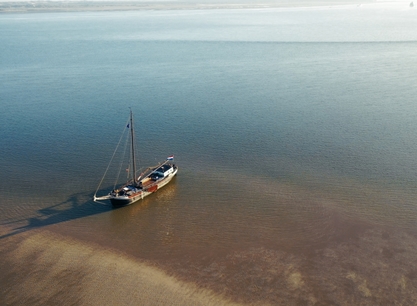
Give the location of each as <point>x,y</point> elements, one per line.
<point>295,131</point>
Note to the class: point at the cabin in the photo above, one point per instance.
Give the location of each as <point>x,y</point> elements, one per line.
<point>162,172</point>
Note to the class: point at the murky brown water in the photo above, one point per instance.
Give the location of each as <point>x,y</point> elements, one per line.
<point>295,246</point>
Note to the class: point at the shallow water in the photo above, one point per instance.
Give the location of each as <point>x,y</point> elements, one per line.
<point>293,130</point>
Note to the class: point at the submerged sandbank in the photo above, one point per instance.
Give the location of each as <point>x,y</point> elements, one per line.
<point>44,268</point>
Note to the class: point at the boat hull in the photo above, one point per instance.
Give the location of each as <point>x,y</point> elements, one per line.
<point>120,201</point>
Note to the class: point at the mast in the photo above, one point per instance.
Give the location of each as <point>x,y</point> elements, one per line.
<point>132,134</point>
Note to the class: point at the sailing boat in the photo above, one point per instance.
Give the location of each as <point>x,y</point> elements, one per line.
<point>136,188</point>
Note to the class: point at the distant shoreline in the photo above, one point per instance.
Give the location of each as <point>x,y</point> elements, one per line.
<point>88,6</point>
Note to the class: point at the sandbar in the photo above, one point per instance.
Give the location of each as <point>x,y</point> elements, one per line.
<point>44,268</point>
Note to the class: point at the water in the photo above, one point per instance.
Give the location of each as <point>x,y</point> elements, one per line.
<point>294,130</point>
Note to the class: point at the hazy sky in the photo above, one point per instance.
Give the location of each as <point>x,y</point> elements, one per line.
<point>220,1</point>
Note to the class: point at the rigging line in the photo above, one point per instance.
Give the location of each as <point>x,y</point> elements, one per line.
<point>121,162</point>
<point>114,153</point>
